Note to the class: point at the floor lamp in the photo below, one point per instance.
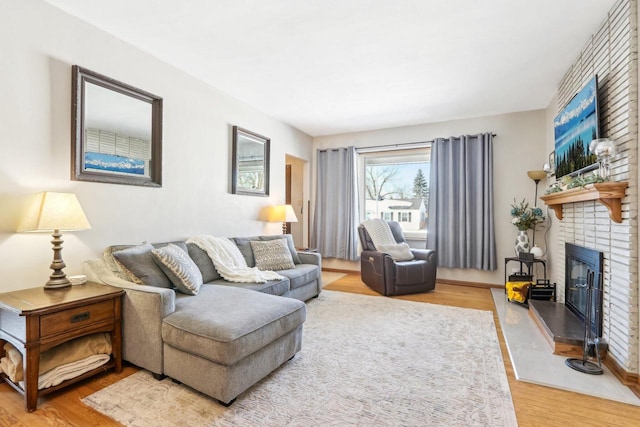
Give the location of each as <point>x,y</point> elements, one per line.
<point>536,176</point>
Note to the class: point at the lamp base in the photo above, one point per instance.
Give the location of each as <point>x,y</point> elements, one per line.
<point>58,278</point>
<point>584,366</point>
<point>57,283</point>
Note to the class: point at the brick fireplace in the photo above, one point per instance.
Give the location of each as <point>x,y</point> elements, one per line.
<point>611,53</point>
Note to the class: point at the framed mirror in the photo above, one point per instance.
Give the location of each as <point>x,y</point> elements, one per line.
<point>117,131</point>
<point>250,163</point>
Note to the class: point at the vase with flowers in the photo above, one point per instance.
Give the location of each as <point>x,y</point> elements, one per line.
<point>525,218</point>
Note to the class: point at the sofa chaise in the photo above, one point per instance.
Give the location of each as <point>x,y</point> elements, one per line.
<point>225,338</point>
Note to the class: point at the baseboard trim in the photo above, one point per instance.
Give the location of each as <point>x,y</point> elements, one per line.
<point>627,378</point>
<point>470,284</point>
<point>339,270</point>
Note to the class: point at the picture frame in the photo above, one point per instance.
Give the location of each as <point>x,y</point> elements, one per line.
<point>116,131</point>
<point>552,163</point>
<point>249,163</point>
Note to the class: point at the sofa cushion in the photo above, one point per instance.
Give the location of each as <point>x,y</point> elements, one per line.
<point>225,324</point>
<point>117,268</point>
<point>289,239</point>
<point>138,262</point>
<point>204,263</point>
<point>179,268</point>
<point>301,275</point>
<point>244,244</point>
<point>271,287</point>
<point>272,255</point>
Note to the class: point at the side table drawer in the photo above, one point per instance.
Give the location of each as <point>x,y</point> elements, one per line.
<point>76,318</point>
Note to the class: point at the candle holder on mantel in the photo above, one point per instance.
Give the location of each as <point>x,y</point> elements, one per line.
<point>605,150</point>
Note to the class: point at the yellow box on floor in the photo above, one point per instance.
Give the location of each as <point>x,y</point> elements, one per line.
<point>517,291</point>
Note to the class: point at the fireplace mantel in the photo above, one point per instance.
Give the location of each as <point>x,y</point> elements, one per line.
<point>609,194</point>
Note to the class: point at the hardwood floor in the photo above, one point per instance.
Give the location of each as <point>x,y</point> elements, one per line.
<point>535,405</point>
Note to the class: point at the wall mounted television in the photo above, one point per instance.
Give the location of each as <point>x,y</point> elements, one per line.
<point>575,127</point>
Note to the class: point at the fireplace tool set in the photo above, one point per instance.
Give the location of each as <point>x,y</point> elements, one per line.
<point>590,342</point>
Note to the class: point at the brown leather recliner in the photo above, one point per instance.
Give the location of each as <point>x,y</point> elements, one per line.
<point>384,275</point>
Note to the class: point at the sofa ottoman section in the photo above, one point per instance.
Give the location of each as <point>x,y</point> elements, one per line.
<point>230,338</point>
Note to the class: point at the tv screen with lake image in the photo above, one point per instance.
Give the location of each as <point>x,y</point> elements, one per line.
<point>575,127</point>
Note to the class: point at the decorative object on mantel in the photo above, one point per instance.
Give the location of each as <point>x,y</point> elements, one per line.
<point>550,168</point>
<point>525,218</point>
<point>609,194</point>
<point>55,212</point>
<point>605,150</point>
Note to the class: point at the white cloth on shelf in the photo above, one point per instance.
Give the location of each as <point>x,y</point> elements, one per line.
<point>229,261</point>
<point>70,370</point>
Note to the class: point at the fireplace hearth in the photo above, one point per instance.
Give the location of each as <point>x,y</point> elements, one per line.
<point>563,324</point>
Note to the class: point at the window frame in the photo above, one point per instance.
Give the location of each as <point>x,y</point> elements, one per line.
<point>387,151</point>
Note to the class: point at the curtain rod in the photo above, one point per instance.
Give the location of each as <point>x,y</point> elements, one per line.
<point>390,147</point>
<point>405,145</point>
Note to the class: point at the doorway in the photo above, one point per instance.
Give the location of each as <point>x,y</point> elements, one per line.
<point>295,196</point>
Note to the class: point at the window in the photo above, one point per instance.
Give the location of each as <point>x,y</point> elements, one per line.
<point>404,216</point>
<point>395,186</point>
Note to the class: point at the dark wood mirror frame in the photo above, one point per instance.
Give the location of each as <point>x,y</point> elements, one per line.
<point>237,187</point>
<point>152,178</point>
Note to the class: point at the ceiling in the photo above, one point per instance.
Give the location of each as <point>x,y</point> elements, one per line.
<point>338,66</point>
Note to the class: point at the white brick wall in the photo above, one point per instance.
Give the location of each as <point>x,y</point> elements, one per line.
<point>612,54</point>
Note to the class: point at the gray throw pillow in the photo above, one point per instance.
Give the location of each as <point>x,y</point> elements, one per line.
<point>204,263</point>
<point>138,263</point>
<point>179,267</point>
<point>244,244</point>
<point>289,239</point>
<point>272,255</point>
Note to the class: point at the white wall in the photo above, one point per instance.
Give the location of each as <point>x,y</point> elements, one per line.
<point>39,44</point>
<point>520,145</point>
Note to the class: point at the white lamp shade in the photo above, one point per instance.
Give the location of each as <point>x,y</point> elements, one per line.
<point>280,213</point>
<point>54,211</point>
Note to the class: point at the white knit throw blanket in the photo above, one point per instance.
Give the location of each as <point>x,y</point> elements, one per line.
<point>379,232</point>
<point>229,261</point>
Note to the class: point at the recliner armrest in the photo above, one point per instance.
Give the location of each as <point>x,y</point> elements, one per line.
<point>428,255</point>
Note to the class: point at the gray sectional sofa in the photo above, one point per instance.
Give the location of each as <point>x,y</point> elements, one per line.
<point>222,340</point>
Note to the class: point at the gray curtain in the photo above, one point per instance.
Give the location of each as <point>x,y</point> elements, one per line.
<point>336,211</point>
<point>460,224</point>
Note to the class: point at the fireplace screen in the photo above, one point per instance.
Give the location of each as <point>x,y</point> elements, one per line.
<point>579,262</point>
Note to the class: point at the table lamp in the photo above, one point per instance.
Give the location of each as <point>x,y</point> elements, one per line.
<point>55,212</point>
<point>283,214</point>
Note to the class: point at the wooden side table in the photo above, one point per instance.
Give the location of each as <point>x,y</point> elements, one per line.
<point>35,320</point>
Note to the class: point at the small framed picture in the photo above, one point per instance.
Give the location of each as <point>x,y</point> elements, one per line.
<point>552,162</point>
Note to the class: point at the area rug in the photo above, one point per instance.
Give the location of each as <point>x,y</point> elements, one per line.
<point>365,361</point>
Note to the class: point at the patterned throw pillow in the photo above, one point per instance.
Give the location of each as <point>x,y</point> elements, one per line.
<point>179,267</point>
<point>272,255</point>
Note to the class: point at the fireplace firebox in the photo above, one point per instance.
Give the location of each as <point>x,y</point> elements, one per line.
<point>579,262</point>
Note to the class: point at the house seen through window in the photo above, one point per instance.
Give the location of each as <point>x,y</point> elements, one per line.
<point>396,188</point>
